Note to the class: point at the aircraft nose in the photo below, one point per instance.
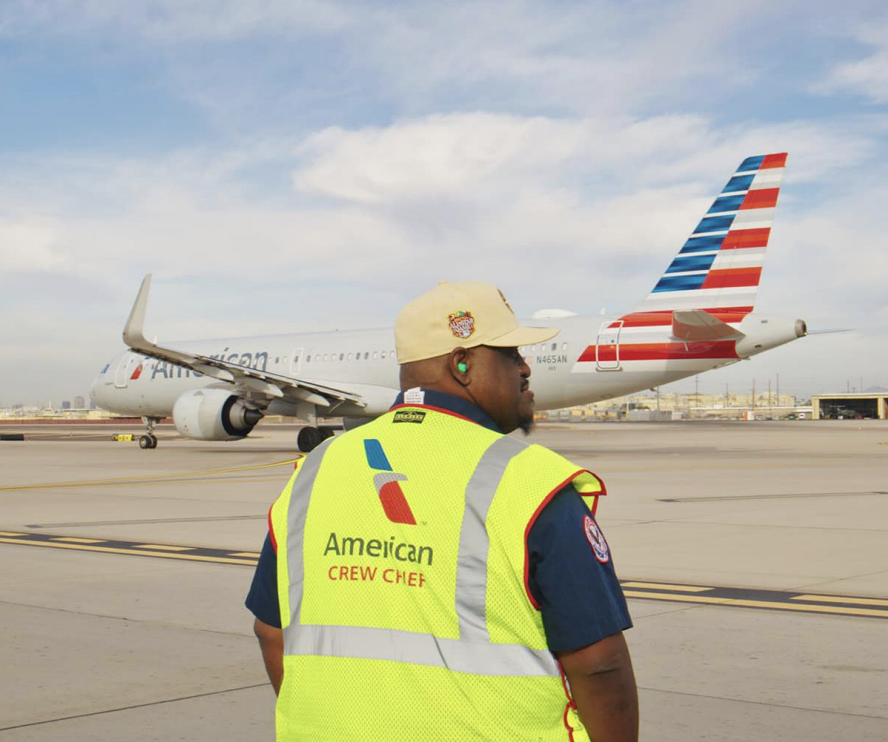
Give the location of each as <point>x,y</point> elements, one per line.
<point>95,388</point>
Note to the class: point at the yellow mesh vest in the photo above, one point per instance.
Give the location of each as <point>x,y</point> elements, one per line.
<point>402,584</point>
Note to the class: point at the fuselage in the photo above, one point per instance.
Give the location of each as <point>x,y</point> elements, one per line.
<point>591,359</point>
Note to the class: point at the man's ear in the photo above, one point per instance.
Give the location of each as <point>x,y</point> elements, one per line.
<point>458,365</point>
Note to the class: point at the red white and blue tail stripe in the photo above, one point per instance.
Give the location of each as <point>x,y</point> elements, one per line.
<point>719,267</point>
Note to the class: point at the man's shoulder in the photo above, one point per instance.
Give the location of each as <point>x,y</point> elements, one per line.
<point>562,469</point>
<point>546,457</point>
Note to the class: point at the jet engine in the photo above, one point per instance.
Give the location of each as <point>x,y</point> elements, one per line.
<point>214,415</point>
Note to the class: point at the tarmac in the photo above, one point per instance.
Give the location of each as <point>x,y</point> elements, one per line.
<point>754,556</point>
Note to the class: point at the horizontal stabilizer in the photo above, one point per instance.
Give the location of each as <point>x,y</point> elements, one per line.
<point>699,326</point>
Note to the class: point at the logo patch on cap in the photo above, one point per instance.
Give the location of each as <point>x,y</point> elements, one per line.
<point>596,540</point>
<point>462,324</point>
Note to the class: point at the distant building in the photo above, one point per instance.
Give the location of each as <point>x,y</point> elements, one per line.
<point>674,406</point>
<point>853,406</point>
<point>79,403</point>
<point>66,405</point>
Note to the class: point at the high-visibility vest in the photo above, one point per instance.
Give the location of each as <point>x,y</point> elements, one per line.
<point>403,584</point>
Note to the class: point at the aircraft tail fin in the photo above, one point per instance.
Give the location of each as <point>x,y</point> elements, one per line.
<point>719,266</point>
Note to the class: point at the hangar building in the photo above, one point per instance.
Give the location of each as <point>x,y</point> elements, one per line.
<point>855,406</point>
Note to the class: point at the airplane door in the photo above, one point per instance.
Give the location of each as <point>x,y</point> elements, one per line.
<point>296,362</point>
<point>124,370</point>
<point>607,348</point>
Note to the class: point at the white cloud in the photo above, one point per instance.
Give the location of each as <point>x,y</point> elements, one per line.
<point>418,197</point>
<point>479,156</point>
<point>439,155</point>
<point>838,256</point>
<point>30,247</point>
<point>867,76</point>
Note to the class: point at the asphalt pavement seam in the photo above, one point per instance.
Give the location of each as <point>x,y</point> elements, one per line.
<point>247,634</point>
<point>762,703</point>
<point>133,706</point>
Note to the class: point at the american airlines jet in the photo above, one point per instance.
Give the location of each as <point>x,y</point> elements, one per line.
<point>699,316</point>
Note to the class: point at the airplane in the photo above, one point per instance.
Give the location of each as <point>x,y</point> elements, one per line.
<point>699,316</point>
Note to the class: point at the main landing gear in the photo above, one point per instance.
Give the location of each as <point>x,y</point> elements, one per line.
<point>149,440</point>
<point>310,438</point>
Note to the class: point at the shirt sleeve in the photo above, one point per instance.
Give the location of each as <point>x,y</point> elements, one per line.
<point>572,575</point>
<point>262,600</point>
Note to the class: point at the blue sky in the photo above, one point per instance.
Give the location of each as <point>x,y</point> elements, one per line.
<point>294,165</point>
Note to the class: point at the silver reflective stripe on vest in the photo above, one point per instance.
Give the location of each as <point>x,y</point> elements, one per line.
<point>363,642</point>
<point>296,512</point>
<point>471,566</point>
<point>473,652</point>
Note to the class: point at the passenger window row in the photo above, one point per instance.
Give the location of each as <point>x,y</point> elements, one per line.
<point>360,355</point>
<point>542,348</point>
<point>382,355</point>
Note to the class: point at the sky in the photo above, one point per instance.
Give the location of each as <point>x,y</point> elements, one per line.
<point>299,165</point>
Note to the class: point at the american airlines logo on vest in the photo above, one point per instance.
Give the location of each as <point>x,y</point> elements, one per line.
<point>395,505</point>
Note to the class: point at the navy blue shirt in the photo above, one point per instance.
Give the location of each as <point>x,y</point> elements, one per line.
<point>571,577</point>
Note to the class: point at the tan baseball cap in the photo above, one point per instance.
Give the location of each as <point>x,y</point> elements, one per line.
<point>454,315</point>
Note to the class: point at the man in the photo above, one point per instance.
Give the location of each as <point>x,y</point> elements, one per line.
<point>436,579</point>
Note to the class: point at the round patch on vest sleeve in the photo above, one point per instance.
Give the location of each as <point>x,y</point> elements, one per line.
<point>596,540</point>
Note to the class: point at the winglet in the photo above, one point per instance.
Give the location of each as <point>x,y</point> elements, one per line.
<point>249,381</point>
<point>134,330</point>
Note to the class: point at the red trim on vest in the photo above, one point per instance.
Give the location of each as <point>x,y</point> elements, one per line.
<point>596,495</point>
<point>274,543</point>
<point>571,704</point>
<point>434,409</point>
<point>530,523</point>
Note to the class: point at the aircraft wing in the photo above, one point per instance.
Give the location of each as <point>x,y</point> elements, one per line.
<point>699,326</point>
<point>251,382</point>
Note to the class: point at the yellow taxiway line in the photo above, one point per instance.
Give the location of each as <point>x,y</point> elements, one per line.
<point>733,597</point>
<point>135,548</point>
<point>778,605</point>
<point>145,479</point>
